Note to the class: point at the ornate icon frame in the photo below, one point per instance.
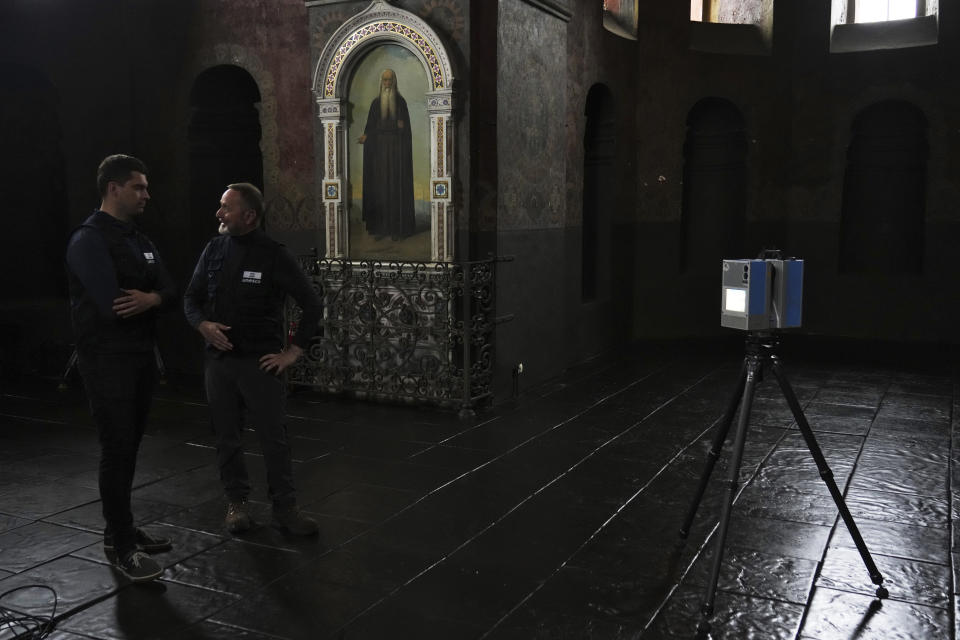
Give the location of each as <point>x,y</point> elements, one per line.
<point>377,25</point>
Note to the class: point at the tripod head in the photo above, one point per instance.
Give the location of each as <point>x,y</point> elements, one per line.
<point>762,343</point>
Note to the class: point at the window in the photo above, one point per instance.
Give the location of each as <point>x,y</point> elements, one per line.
<point>696,11</point>
<point>881,10</point>
<point>620,17</point>
<point>865,25</point>
<point>731,11</point>
<point>739,27</point>
<point>884,10</point>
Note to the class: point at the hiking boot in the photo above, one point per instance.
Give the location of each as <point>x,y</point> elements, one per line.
<point>145,542</point>
<point>238,517</point>
<point>290,518</point>
<point>139,567</point>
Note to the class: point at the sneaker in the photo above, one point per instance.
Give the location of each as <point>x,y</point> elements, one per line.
<point>238,517</point>
<point>145,542</point>
<point>290,518</point>
<point>139,567</point>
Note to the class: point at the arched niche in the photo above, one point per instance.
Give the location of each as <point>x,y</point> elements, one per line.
<point>885,190</point>
<point>34,185</point>
<point>381,25</point>
<point>224,136</point>
<point>714,185</point>
<point>599,192</point>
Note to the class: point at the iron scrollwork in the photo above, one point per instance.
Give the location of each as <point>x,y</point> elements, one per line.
<point>401,331</point>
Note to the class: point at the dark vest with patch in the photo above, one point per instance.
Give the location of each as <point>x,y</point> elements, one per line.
<point>134,271</point>
<point>242,294</point>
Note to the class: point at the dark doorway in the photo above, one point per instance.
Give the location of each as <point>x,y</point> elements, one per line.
<point>224,139</point>
<point>884,193</point>
<point>33,186</point>
<point>714,186</point>
<point>599,192</point>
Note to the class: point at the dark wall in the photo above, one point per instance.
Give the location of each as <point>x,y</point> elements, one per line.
<point>776,179</point>
<point>119,76</point>
<point>599,61</point>
<point>799,104</point>
<point>829,93</point>
<point>531,186</point>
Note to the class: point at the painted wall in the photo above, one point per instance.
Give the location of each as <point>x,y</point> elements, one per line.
<point>122,71</point>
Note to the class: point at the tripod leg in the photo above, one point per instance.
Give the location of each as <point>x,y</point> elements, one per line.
<point>718,439</point>
<point>753,364</point>
<point>827,475</point>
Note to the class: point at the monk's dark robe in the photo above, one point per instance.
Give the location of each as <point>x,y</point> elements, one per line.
<point>388,173</point>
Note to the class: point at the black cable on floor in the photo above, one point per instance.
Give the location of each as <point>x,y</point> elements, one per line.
<point>23,625</point>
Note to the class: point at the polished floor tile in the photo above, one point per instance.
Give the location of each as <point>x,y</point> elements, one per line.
<point>38,542</point>
<point>155,610</point>
<point>68,585</point>
<point>928,544</point>
<point>554,516</point>
<point>913,581</point>
<point>840,614</point>
<point>902,508</point>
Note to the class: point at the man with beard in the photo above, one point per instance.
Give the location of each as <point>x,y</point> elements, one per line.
<point>388,164</point>
<point>117,285</point>
<point>235,300</point>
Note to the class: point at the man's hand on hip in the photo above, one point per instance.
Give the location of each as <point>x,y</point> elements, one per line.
<point>277,362</point>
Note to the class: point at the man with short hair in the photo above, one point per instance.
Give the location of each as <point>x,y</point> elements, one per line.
<point>118,284</point>
<point>235,300</point>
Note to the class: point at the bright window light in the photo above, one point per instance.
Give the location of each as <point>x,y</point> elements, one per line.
<point>696,11</point>
<point>735,300</point>
<point>902,9</point>
<point>883,10</point>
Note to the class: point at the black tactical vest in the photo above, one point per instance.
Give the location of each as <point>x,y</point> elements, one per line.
<point>242,294</point>
<point>135,264</point>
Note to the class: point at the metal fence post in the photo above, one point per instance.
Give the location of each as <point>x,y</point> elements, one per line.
<point>466,406</point>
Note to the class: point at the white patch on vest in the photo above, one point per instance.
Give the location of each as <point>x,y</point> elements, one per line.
<point>149,256</point>
<point>252,277</point>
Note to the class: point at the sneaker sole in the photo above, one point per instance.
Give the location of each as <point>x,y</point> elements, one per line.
<point>138,579</point>
<point>146,578</point>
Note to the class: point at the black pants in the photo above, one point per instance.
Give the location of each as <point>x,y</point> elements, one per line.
<point>119,388</point>
<point>239,392</point>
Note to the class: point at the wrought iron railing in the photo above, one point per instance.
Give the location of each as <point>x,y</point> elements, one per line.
<point>402,331</point>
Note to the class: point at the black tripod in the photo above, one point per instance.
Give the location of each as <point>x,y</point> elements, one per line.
<point>760,351</point>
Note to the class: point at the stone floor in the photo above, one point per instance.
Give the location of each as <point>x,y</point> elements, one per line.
<point>553,516</point>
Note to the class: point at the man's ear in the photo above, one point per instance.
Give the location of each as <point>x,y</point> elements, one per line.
<point>250,217</point>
